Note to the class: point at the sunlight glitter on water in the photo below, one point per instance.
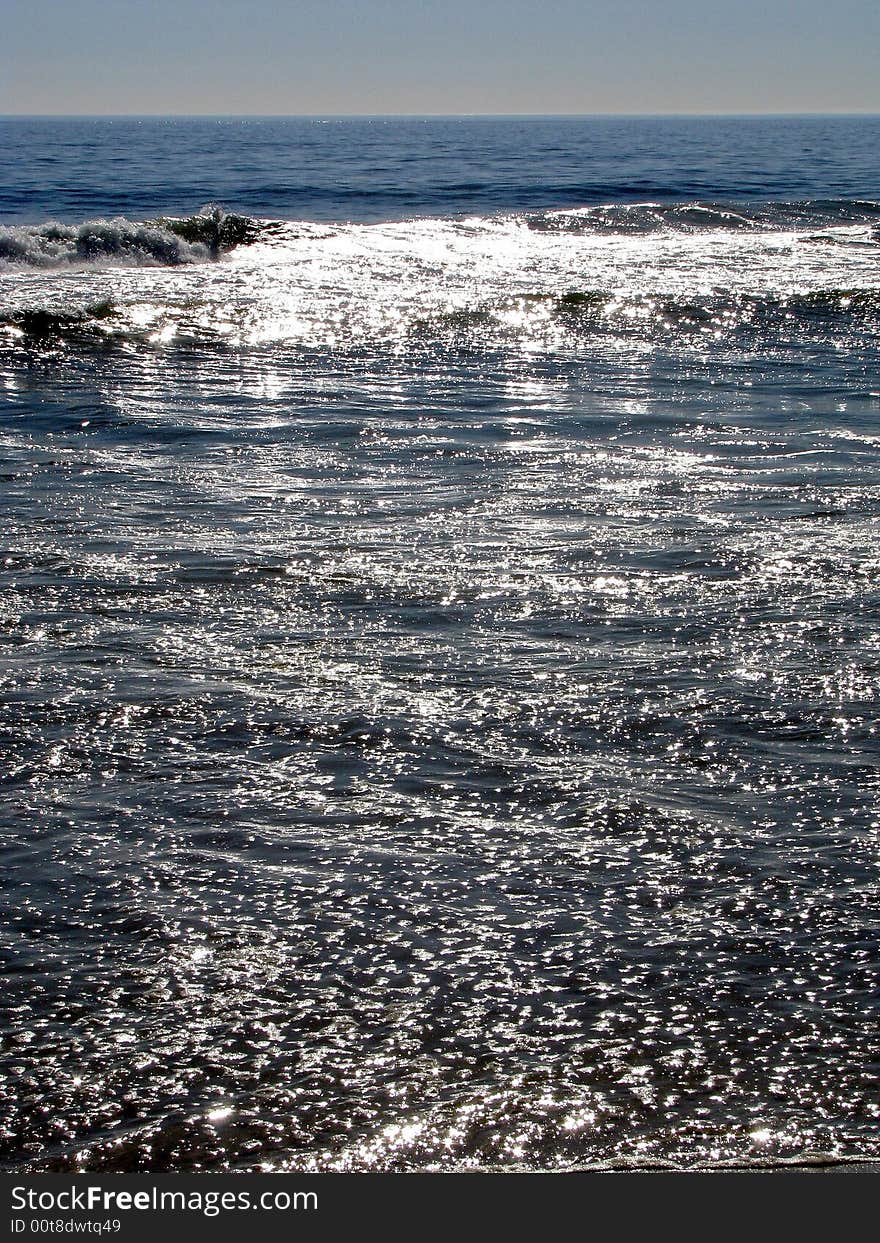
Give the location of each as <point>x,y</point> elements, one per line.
<point>441,686</point>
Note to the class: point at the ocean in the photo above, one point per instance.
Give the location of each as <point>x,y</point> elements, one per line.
<point>440,626</point>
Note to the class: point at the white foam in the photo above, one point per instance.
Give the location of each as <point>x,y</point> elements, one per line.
<point>97,243</point>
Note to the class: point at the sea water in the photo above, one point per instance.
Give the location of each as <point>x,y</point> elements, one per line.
<point>439,671</point>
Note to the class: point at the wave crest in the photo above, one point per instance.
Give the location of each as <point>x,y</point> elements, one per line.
<point>702,217</point>
<point>118,242</point>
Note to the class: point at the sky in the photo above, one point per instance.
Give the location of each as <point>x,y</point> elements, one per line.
<point>331,57</point>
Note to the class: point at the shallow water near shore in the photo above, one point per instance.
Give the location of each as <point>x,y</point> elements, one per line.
<point>439,670</point>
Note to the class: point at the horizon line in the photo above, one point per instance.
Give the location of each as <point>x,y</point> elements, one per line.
<point>379,116</point>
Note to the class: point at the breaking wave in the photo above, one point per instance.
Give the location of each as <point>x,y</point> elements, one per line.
<point>165,242</point>
<point>344,288</point>
<point>650,217</point>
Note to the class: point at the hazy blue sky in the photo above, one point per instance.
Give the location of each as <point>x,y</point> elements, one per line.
<point>411,56</point>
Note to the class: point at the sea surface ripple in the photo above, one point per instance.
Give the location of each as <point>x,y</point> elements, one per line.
<point>439,648</point>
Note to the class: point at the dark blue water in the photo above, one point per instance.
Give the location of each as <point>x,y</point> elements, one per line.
<point>439,620</point>
<point>383,168</point>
